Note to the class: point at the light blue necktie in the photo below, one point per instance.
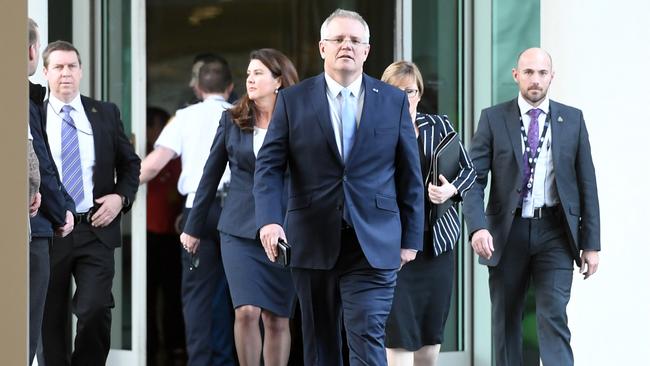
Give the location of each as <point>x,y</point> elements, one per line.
<point>71,158</point>
<point>348,123</point>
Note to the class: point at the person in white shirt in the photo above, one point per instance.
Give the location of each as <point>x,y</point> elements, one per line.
<point>99,170</point>
<point>207,311</point>
<point>542,214</point>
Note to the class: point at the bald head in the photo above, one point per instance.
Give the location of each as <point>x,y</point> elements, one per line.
<point>536,53</point>
<point>533,74</point>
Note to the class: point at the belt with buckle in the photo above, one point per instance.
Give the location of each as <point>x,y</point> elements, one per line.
<point>539,212</point>
<point>84,217</point>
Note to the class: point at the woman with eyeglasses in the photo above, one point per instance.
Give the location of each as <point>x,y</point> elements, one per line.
<point>415,327</point>
<point>259,288</point>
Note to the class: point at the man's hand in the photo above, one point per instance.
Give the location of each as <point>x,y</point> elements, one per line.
<point>482,243</point>
<point>440,194</point>
<point>406,255</point>
<point>35,204</point>
<point>269,235</point>
<point>111,205</point>
<point>589,260</point>
<point>190,243</point>
<point>66,229</point>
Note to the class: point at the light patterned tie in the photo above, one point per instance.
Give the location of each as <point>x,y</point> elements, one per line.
<point>70,157</point>
<point>348,123</point>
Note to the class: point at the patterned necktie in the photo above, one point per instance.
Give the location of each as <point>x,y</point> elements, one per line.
<point>533,142</point>
<point>348,123</point>
<point>70,157</point>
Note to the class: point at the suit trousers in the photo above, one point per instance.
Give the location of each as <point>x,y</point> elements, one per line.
<point>537,250</point>
<point>361,294</point>
<point>207,309</point>
<point>82,256</point>
<point>39,277</point>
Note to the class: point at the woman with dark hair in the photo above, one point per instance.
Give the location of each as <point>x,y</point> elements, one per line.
<point>415,326</point>
<point>258,287</point>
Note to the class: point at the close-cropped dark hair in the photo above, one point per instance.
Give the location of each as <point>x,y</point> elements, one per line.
<point>33,32</point>
<point>244,111</point>
<point>214,77</point>
<point>58,46</point>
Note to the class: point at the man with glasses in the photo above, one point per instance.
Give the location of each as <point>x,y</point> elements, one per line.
<point>355,212</point>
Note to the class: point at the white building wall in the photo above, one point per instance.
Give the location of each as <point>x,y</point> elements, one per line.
<point>37,10</point>
<point>601,54</point>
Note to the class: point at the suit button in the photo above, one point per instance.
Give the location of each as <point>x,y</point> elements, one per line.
<point>513,211</point>
<point>345,178</point>
<point>518,190</point>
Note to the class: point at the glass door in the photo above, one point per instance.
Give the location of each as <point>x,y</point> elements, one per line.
<point>120,50</point>
<point>434,39</point>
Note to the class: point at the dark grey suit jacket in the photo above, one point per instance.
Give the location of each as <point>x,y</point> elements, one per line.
<point>496,148</point>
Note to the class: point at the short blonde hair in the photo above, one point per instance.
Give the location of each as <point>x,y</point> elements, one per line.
<point>403,70</point>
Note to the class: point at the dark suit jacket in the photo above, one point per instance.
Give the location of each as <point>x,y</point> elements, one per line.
<point>234,147</point>
<point>54,198</point>
<point>496,147</point>
<point>117,167</point>
<point>381,183</point>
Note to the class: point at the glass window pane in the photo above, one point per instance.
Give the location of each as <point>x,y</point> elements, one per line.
<point>436,50</point>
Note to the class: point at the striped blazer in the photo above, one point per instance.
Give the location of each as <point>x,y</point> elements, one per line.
<point>446,230</point>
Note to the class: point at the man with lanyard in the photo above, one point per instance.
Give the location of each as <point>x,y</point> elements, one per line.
<point>542,213</point>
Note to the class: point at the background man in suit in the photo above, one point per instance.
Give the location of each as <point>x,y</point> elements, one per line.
<point>55,214</point>
<point>100,172</point>
<point>207,309</point>
<point>355,211</point>
<point>542,213</point>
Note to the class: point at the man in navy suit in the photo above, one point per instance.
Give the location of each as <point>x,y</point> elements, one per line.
<point>55,214</point>
<point>99,170</point>
<point>355,209</point>
<point>542,213</point>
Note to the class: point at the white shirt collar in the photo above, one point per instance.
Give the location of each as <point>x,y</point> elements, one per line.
<point>335,88</point>
<point>77,106</point>
<point>524,106</point>
<point>214,97</point>
<point>57,104</point>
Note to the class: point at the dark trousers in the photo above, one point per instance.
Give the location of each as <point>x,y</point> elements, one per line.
<point>361,294</point>
<point>82,256</point>
<point>207,309</point>
<point>537,250</point>
<point>39,277</point>
<point>165,314</point>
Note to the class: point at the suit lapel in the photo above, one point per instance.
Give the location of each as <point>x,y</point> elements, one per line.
<point>246,146</point>
<point>425,134</point>
<point>557,131</point>
<point>318,97</point>
<point>513,125</point>
<point>95,122</point>
<point>370,101</point>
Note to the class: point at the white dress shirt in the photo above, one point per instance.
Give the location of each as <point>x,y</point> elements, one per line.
<point>335,101</point>
<point>544,192</point>
<point>258,139</point>
<point>86,143</point>
<point>190,134</point>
